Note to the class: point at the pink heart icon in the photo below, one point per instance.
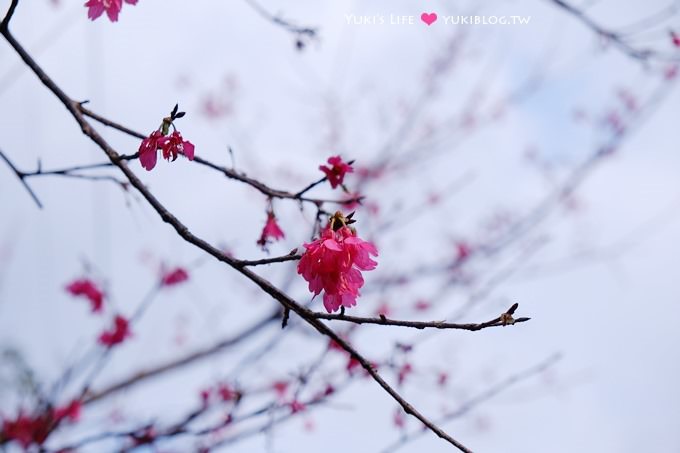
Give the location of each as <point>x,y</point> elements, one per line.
<point>429,19</point>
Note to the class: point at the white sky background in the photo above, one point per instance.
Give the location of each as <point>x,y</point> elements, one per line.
<point>612,314</point>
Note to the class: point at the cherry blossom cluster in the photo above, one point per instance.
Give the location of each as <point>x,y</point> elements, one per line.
<point>333,263</point>
<point>29,430</point>
<point>171,145</point>
<point>112,8</point>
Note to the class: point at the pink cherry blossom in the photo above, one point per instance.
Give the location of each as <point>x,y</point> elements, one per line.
<point>333,264</point>
<point>174,145</point>
<point>118,333</point>
<point>171,146</point>
<point>88,289</point>
<point>270,231</point>
<point>174,277</point>
<point>112,7</point>
<point>336,171</point>
<point>147,150</point>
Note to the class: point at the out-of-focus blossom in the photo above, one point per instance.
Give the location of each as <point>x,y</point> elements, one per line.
<point>271,231</point>
<point>88,289</point>
<point>112,8</point>
<point>174,276</point>
<point>29,430</point>
<point>118,333</point>
<point>336,170</point>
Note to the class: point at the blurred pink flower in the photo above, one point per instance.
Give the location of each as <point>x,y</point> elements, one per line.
<point>87,288</point>
<point>270,231</point>
<point>112,7</point>
<point>337,170</point>
<point>118,333</point>
<point>174,277</point>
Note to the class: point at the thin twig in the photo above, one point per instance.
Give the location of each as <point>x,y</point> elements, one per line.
<point>505,319</point>
<point>638,54</point>
<point>21,177</point>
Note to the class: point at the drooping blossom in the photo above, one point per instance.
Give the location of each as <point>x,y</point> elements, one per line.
<point>118,333</point>
<point>170,144</point>
<point>271,230</point>
<point>112,7</point>
<point>333,264</point>
<point>147,150</point>
<point>174,145</point>
<point>88,289</point>
<point>174,276</point>
<point>336,170</point>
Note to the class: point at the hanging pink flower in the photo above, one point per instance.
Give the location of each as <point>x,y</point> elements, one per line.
<point>88,289</point>
<point>147,150</point>
<point>112,7</point>
<point>336,170</point>
<point>333,264</point>
<point>271,230</point>
<point>171,145</point>
<point>117,334</point>
<point>174,145</point>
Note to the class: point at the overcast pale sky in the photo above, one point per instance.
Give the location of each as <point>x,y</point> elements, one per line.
<point>601,287</point>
